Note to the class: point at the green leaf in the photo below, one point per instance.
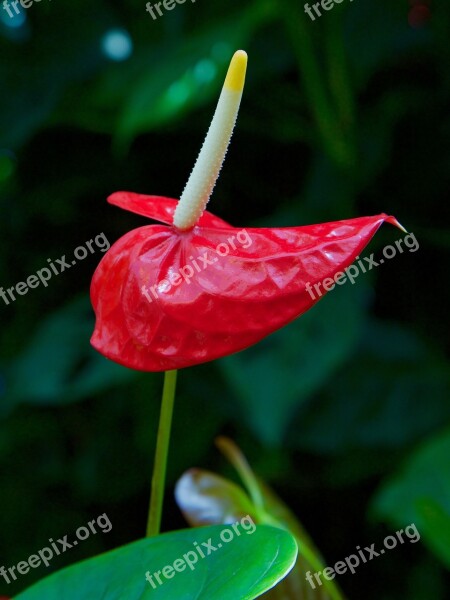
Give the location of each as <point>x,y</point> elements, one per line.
<point>420,494</point>
<point>286,368</point>
<point>245,567</point>
<point>392,370</point>
<point>436,528</point>
<point>59,366</point>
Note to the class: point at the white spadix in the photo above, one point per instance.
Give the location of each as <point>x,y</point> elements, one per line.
<point>206,170</point>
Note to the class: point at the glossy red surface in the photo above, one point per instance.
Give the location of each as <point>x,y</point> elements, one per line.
<point>213,290</point>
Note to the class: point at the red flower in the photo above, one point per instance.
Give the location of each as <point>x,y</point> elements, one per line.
<point>168,297</point>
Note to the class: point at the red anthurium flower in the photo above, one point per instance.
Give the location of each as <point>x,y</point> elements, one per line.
<point>195,289</point>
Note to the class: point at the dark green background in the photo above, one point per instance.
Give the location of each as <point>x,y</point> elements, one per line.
<point>346,411</point>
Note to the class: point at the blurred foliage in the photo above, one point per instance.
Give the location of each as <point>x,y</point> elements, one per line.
<point>421,494</point>
<point>346,411</point>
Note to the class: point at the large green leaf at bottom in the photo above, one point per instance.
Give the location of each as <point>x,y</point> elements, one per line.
<point>242,569</point>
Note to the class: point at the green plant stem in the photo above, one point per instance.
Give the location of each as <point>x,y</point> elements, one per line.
<point>341,85</point>
<point>240,463</point>
<point>162,450</point>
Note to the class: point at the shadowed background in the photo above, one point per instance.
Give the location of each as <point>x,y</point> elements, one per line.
<point>345,411</point>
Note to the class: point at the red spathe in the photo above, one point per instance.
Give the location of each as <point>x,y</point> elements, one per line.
<point>213,290</point>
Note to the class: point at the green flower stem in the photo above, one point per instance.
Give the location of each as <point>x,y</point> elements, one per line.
<point>162,450</point>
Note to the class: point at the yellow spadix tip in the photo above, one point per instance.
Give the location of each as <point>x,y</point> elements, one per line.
<point>235,78</point>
